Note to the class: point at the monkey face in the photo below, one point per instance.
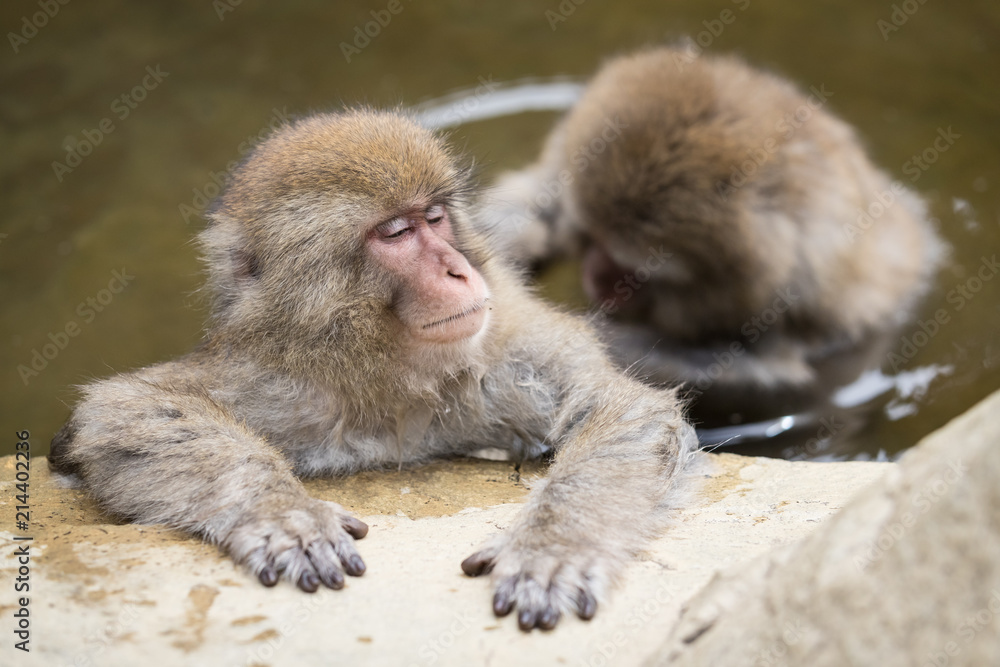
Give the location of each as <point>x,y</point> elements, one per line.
<point>344,237</point>
<point>624,274</point>
<point>439,296</point>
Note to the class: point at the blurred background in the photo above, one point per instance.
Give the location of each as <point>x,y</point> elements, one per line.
<point>119,120</point>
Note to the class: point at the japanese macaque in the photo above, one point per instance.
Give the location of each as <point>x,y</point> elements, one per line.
<point>732,229</point>
<point>360,319</point>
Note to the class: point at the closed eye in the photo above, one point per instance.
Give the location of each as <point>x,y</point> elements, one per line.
<point>394,228</point>
<point>434,214</point>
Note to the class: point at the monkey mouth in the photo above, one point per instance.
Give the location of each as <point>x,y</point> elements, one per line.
<point>465,313</point>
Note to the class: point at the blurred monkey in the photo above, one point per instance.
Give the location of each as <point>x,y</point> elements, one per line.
<point>731,228</point>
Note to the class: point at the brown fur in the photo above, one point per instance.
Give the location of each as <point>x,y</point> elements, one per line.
<point>666,183</point>
<point>301,373</point>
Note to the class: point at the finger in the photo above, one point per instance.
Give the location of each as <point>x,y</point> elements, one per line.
<point>549,618</point>
<point>354,527</point>
<point>527,619</point>
<point>586,605</point>
<point>308,581</point>
<point>323,557</point>
<point>332,578</point>
<point>503,600</point>
<point>268,576</point>
<point>353,564</point>
<point>477,564</point>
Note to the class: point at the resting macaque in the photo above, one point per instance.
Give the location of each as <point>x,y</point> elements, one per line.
<point>732,229</point>
<point>360,319</point>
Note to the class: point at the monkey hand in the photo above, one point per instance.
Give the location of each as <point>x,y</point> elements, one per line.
<point>542,577</point>
<point>306,541</point>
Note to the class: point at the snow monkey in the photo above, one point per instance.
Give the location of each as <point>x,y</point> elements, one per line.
<point>361,319</point>
<point>730,227</point>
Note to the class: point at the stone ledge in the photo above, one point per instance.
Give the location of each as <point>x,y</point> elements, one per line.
<point>907,574</point>
<point>106,593</point>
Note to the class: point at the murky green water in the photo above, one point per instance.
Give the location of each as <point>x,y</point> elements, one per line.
<point>95,259</point>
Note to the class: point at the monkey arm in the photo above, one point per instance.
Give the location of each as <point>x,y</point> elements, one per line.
<point>155,447</point>
<point>526,212</point>
<point>618,445</point>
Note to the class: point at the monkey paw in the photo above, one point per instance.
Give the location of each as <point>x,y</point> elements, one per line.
<point>305,543</point>
<point>541,583</point>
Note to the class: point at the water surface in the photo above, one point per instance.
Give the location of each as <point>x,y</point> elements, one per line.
<point>95,256</point>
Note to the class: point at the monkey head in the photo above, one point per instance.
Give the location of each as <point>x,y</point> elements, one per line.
<point>648,164</point>
<point>341,245</point>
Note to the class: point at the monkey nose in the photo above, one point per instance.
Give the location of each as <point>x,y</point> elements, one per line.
<point>455,265</point>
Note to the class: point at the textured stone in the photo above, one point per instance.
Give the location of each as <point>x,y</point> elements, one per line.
<point>108,593</point>
<point>907,574</point>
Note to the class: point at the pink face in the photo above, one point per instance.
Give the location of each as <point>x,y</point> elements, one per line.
<point>442,298</point>
<point>600,276</point>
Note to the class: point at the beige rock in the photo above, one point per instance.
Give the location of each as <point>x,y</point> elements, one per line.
<point>107,593</point>
<point>908,574</point>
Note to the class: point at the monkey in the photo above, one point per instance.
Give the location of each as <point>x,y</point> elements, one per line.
<point>732,231</point>
<point>360,318</point>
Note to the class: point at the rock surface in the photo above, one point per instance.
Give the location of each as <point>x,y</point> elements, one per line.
<point>907,574</point>
<point>107,593</point>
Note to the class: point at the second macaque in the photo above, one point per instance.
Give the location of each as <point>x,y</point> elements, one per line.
<point>731,228</point>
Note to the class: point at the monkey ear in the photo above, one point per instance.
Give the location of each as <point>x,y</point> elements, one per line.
<point>246,265</point>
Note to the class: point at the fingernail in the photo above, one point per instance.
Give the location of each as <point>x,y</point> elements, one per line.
<point>268,576</point>
<point>309,582</point>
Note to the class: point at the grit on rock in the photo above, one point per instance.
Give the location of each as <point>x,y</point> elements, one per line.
<point>109,593</point>
<point>905,575</point>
